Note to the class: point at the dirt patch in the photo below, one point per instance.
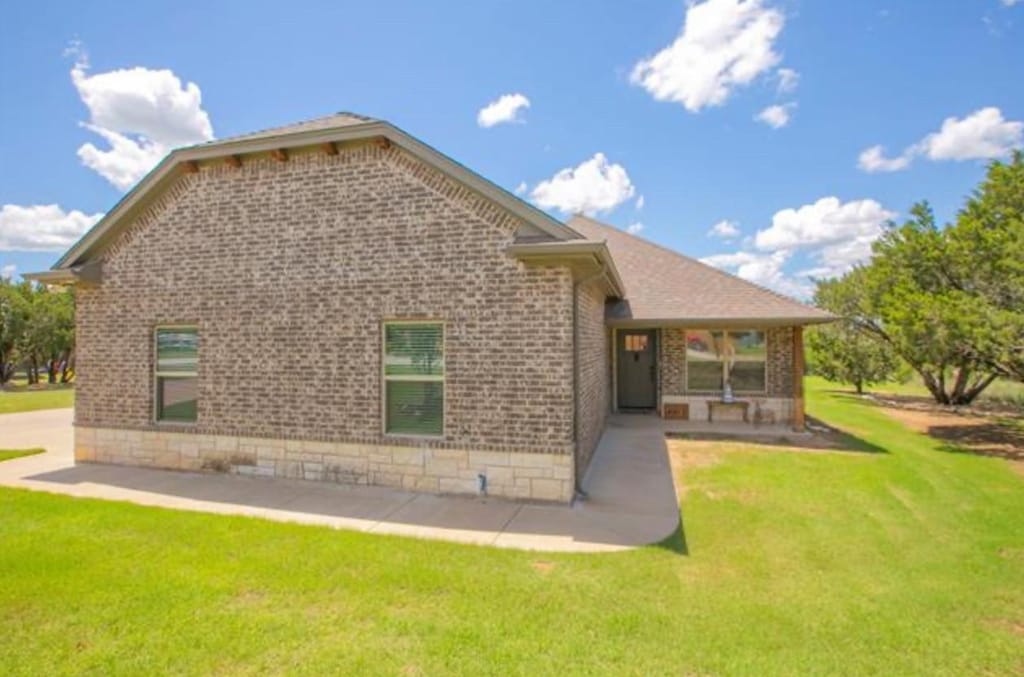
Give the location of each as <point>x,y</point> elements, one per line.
<point>966,429</point>
<point>543,567</point>
<point>691,450</point>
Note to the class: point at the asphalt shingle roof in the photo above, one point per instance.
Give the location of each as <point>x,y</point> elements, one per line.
<point>661,284</point>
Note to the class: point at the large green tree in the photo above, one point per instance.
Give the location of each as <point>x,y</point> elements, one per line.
<point>843,351</point>
<point>14,312</point>
<point>986,262</point>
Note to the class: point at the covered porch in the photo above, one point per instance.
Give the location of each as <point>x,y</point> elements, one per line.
<point>735,379</point>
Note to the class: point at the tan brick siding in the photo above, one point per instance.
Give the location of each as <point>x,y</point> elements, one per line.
<point>288,270</point>
<point>779,374</point>
<point>780,362</point>
<point>593,387</point>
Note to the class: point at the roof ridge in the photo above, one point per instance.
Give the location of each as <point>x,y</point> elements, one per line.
<point>283,128</point>
<point>690,259</point>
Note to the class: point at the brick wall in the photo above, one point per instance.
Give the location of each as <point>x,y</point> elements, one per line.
<point>779,371</point>
<point>780,362</point>
<point>288,270</point>
<point>593,387</point>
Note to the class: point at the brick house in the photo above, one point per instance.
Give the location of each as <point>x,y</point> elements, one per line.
<point>335,300</point>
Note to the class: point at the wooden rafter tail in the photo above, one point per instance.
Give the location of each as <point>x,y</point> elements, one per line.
<point>330,148</point>
<point>233,161</point>
<point>279,154</point>
<point>190,167</point>
<point>382,142</point>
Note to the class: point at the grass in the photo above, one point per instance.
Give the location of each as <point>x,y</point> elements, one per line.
<point>8,454</point>
<point>17,399</point>
<point>905,561</point>
<point>1001,391</point>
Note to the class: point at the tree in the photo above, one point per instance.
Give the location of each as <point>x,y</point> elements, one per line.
<point>13,317</point>
<point>48,336</point>
<point>986,246</point>
<point>907,299</point>
<point>843,351</point>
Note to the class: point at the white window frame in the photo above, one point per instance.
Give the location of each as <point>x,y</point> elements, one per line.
<point>157,375</point>
<point>385,377</point>
<point>726,332</point>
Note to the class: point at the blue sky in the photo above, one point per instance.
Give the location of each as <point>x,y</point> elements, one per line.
<point>654,99</point>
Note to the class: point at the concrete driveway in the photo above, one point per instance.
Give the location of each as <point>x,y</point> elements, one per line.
<point>631,499</point>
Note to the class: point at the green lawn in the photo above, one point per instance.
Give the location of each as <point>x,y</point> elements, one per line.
<point>8,454</point>
<point>902,562</point>
<point>1001,391</point>
<point>22,399</point>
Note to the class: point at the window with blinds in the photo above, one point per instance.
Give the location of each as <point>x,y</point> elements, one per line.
<point>414,378</point>
<point>177,374</point>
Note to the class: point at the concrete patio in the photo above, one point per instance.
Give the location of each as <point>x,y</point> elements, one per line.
<point>631,500</point>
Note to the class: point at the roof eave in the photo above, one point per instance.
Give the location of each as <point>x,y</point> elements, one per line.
<point>567,251</point>
<point>90,273</point>
<point>723,322</point>
<point>168,167</point>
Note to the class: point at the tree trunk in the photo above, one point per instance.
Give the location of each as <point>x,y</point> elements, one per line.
<point>934,387</point>
<point>976,389</point>
<point>859,385</point>
<point>959,385</point>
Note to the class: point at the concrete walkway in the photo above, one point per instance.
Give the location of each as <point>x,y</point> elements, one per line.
<point>631,499</point>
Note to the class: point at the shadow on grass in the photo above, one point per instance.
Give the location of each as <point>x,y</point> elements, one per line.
<point>676,541</point>
<point>960,430</point>
<point>819,437</point>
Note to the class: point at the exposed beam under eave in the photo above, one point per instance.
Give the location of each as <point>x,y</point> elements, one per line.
<point>279,154</point>
<point>233,161</point>
<point>190,167</point>
<point>330,148</point>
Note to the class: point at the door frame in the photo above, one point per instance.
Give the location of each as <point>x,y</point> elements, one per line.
<point>656,332</point>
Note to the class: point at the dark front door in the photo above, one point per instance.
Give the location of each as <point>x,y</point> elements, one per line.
<point>637,369</point>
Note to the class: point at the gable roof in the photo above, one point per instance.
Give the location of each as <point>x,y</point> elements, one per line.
<point>337,128</point>
<point>665,287</point>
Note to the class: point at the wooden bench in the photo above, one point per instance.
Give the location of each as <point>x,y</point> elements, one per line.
<point>737,405</point>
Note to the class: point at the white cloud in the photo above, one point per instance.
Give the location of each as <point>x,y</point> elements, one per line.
<point>825,222</point>
<point>142,114</point>
<point>834,236</point>
<point>874,160</point>
<point>1010,3</point>
<point>521,188</point>
<point>594,186</point>
<point>724,229</point>
<point>762,269</point>
<point>776,116</point>
<point>982,135</point>
<point>724,44</point>
<point>505,109</point>
<point>42,227</point>
<point>640,202</point>
<point>788,80</point>
<point>8,271</point>
<point>634,228</point>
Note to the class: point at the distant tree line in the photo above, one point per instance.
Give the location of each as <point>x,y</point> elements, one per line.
<point>947,301</point>
<point>37,332</point>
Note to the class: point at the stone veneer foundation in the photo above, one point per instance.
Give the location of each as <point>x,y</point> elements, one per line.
<point>541,477</point>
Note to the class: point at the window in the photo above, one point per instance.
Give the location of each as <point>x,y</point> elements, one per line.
<point>177,377</point>
<point>636,343</point>
<point>714,358</point>
<point>413,378</point>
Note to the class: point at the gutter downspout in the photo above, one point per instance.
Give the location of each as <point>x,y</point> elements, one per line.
<point>577,480</point>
